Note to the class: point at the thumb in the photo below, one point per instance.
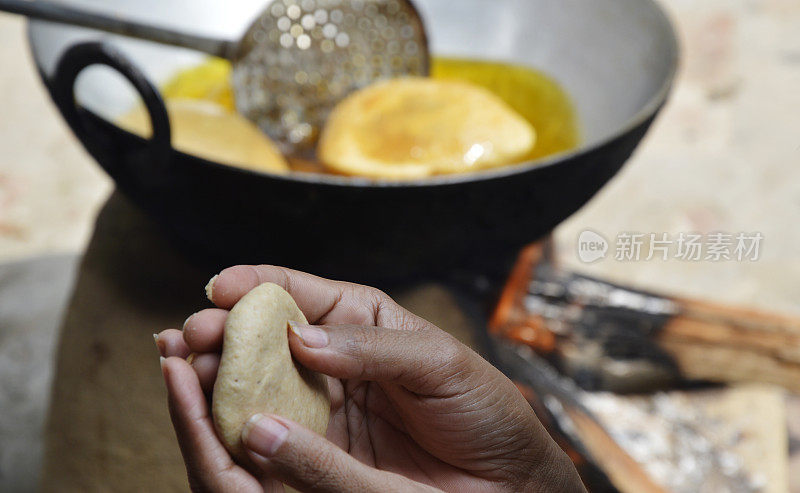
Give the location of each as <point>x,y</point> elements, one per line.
<point>304,460</point>
<point>427,361</point>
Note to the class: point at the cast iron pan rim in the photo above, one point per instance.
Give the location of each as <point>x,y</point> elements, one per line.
<point>650,108</point>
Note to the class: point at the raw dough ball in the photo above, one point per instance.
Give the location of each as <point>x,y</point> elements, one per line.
<point>416,127</point>
<point>257,373</point>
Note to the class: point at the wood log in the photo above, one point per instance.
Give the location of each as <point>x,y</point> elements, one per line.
<point>694,339</point>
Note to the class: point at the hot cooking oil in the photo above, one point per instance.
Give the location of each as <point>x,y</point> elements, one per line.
<point>533,94</point>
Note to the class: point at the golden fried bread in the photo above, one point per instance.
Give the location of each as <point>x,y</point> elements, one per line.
<point>205,129</point>
<point>416,127</point>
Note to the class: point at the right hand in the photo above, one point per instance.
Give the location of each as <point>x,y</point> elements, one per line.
<point>411,407</point>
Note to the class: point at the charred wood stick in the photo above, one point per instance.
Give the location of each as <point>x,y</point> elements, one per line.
<point>602,463</point>
<point>619,338</point>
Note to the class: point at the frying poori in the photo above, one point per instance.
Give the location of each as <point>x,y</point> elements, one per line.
<point>416,127</point>
<point>210,131</point>
<point>469,115</point>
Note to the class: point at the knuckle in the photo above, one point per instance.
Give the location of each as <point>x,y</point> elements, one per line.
<point>451,362</point>
<point>446,349</point>
<point>359,342</point>
<point>321,473</point>
<point>370,347</point>
<point>378,301</point>
<point>282,276</point>
<point>376,294</point>
<point>352,347</point>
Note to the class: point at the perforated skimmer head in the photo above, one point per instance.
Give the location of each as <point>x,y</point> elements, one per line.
<point>301,57</point>
<point>296,60</point>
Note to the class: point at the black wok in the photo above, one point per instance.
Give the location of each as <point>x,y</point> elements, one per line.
<point>616,58</point>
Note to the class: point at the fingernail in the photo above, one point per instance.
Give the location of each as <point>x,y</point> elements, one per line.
<point>210,288</point>
<point>161,361</point>
<point>158,344</point>
<point>264,435</point>
<point>312,337</point>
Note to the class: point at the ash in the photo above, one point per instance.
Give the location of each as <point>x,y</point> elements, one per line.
<point>681,448</point>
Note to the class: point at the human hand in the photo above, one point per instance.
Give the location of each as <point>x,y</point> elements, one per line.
<point>411,407</point>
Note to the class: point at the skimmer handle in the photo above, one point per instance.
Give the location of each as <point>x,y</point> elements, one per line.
<point>63,14</point>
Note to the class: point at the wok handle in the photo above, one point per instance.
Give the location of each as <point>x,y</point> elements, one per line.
<point>82,55</point>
